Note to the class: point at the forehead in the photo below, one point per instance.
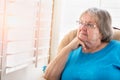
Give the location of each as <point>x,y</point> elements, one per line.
<point>88,17</point>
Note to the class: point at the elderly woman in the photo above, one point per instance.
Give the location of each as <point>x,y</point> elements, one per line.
<point>98,57</point>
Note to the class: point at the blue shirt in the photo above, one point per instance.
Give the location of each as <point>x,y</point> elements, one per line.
<point>101,65</point>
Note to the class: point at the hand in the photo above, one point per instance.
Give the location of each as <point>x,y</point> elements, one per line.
<point>75,43</point>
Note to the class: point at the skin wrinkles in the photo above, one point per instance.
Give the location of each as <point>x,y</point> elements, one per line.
<point>89,36</point>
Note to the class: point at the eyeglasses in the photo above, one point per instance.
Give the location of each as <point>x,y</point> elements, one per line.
<point>88,25</point>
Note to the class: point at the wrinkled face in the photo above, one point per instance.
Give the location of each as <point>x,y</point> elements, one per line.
<point>88,30</point>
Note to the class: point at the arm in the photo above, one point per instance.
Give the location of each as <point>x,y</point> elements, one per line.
<point>55,68</point>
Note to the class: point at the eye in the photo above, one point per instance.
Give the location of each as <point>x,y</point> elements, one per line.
<point>90,25</point>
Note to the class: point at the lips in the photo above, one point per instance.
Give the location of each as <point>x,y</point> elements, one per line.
<point>83,34</point>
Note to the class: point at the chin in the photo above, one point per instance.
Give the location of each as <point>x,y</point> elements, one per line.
<point>88,44</point>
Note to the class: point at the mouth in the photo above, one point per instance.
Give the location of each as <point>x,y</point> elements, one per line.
<point>83,33</point>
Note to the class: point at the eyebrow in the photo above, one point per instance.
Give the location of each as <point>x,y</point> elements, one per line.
<point>87,22</point>
<point>81,20</point>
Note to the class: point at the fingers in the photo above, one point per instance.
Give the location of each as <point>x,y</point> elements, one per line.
<point>81,43</point>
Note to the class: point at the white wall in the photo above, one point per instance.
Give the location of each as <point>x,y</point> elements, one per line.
<point>113,6</point>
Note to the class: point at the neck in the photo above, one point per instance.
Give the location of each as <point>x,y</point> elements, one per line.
<point>93,47</point>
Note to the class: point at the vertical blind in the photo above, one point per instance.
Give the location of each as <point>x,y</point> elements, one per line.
<point>25,27</point>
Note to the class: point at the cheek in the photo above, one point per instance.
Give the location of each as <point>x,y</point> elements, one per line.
<point>93,35</point>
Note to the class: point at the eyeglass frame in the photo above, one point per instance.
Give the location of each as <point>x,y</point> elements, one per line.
<point>88,25</point>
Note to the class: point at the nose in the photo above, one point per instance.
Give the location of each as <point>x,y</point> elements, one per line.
<point>83,27</point>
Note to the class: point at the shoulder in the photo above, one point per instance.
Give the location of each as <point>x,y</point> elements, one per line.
<point>115,42</point>
<point>115,46</point>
